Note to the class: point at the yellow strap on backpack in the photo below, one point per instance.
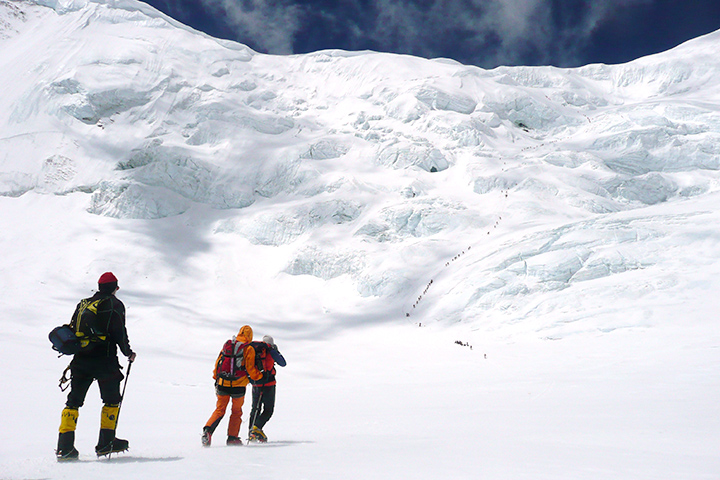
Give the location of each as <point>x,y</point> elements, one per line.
<point>93,307</point>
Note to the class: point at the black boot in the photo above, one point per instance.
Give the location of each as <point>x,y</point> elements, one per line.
<point>206,436</point>
<point>107,443</point>
<point>66,447</point>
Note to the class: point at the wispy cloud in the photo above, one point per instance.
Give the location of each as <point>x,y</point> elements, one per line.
<point>266,26</point>
<point>481,32</point>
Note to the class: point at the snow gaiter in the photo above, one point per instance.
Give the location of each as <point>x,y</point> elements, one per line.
<point>68,423</point>
<point>108,421</point>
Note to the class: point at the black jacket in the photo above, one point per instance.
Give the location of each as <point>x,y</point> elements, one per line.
<point>110,321</point>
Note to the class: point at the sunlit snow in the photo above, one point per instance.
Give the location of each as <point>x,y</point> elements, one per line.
<point>497,274</point>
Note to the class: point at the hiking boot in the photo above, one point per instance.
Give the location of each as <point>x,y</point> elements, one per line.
<point>234,440</point>
<point>115,446</point>
<point>66,447</point>
<point>206,437</point>
<point>67,455</point>
<point>108,443</point>
<point>257,435</point>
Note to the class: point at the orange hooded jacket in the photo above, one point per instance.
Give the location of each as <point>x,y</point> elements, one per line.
<point>245,335</point>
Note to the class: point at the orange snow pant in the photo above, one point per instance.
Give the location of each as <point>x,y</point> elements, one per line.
<point>235,413</point>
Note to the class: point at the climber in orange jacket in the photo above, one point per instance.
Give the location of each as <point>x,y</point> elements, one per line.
<point>234,368</point>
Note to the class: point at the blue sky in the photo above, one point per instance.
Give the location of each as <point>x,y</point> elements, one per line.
<point>486,33</point>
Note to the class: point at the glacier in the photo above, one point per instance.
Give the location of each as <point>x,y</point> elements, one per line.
<point>323,194</point>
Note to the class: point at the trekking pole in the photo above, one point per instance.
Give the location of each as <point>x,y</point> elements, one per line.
<point>257,403</point>
<point>122,397</point>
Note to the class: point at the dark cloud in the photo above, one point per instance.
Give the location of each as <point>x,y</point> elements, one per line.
<point>486,33</point>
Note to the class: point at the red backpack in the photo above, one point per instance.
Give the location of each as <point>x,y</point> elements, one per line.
<point>231,364</point>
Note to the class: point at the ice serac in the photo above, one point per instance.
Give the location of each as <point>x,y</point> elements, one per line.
<point>528,179</point>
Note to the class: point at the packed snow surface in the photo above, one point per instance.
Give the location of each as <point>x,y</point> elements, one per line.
<point>497,274</point>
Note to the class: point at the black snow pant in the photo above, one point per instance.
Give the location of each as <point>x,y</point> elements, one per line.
<point>83,375</point>
<point>263,405</point>
<point>84,372</point>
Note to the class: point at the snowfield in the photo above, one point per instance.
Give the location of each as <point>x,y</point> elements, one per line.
<point>498,274</point>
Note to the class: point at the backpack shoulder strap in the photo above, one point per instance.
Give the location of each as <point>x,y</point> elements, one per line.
<point>94,305</point>
<point>75,321</point>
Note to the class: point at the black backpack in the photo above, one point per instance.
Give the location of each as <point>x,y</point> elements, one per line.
<point>82,331</point>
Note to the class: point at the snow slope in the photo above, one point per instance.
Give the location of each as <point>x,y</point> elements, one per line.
<point>504,273</point>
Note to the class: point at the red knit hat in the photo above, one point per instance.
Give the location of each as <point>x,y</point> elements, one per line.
<point>107,277</point>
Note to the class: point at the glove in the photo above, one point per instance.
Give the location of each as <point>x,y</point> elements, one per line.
<point>132,356</point>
